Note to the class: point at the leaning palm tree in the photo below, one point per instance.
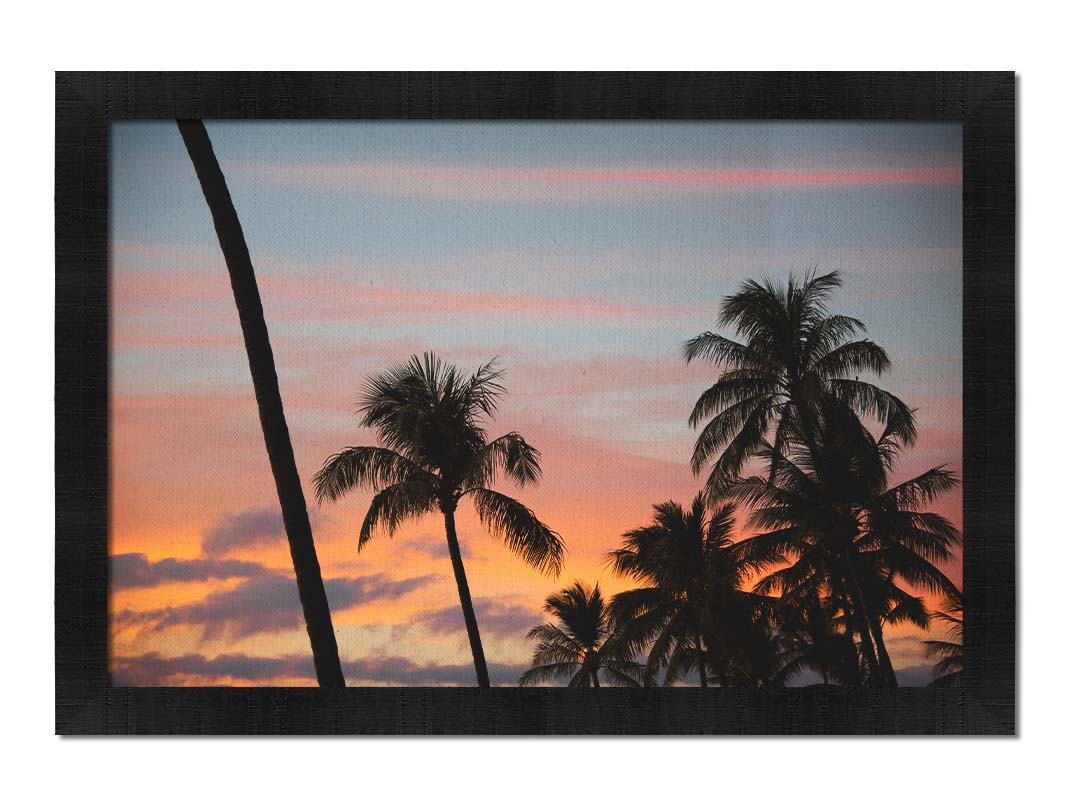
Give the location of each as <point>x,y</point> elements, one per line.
<point>690,595</point>
<point>791,352</point>
<point>268,397</point>
<point>581,644</point>
<point>848,532</point>
<point>948,671</point>
<point>429,416</point>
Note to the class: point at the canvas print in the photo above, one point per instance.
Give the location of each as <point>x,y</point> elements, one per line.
<point>576,404</point>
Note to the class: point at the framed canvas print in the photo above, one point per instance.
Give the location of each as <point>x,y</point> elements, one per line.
<point>544,403</point>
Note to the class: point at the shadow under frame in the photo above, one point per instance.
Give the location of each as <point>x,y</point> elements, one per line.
<point>86,104</point>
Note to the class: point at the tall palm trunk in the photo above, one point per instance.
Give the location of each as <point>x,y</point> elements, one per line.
<point>855,625</point>
<point>596,680</point>
<point>856,619</point>
<point>859,626</point>
<point>465,601</point>
<point>268,398</point>
<point>884,661</point>
<point>870,626</point>
<point>701,666</point>
<point>869,629</point>
<point>870,623</point>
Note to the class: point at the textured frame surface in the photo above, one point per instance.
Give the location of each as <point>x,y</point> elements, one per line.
<point>86,103</point>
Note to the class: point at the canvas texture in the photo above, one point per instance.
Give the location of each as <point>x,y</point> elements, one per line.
<point>572,278</point>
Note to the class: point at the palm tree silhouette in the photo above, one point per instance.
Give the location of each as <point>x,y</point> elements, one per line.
<point>948,671</point>
<point>269,400</point>
<point>793,353</point>
<point>691,576</point>
<point>815,636</point>
<point>428,416</point>
<point>752,649</point>
<point>849,533</point>
<point>581,645</point>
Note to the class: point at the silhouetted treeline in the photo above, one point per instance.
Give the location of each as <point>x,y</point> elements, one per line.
<point>788,435</point>
<point>838,547</point>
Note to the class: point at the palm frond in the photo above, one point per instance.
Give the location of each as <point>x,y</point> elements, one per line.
<point>869,400</point>
<point>920,490</point>
<point>816,291</point>
<point>723,427</point>
<point>484,387</point>
<point>758,553</point>
<point>551,633</point>
<point>583,614</point>
<point>916,570</point>
<point>716,349</point>
<point>930,535</point>
<point>359,467</point>
<point>681,662</point>
<point>512,454</point>
<point>827,334</point>
<point>662,647</point>
<point>943,649</point>
<point>394,504</point>
<point>720,527</point>
<point>907,608</point>
<point>731,390</point>
<point>745,444</point>
<point>555,645</point>
<point>639,616</point>
<point>526,536</point>
<point>852,358</point>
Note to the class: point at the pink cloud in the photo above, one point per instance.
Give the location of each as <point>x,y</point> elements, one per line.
<point>331,298</point>
<point>578,184</point>
<point>147,336</point>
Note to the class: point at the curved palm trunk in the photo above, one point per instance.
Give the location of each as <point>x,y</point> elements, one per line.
<point>856,626</point>
<point>465,601</point>
<point>859,625</point>
<point>884,662</point>
<point>869,629</point>
<point>596,680</point>
<point>856,622</point>
<point>872,626</point>
<point>701,666</point>
<point>268,398</point>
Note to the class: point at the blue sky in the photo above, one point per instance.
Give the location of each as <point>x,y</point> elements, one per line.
<point>670,248</point>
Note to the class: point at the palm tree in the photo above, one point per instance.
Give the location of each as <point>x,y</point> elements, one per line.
<point>792,353</point>
<point>850,533</point>
<point>948,671</point>
<point>691,579</point>
<point>268,397</point>
<point>755,650</point>
<point>428,416</point>
<point>581,645</point>
<point>815,636</point>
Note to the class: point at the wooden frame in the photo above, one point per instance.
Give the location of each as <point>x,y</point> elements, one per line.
<point>87,102</point>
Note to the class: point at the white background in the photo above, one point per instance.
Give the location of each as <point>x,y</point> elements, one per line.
<point>40,38</point>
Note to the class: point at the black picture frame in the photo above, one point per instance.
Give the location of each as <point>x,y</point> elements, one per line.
<point>87,102</point>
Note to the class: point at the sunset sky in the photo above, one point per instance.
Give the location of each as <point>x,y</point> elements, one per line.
<point>582,254</point>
